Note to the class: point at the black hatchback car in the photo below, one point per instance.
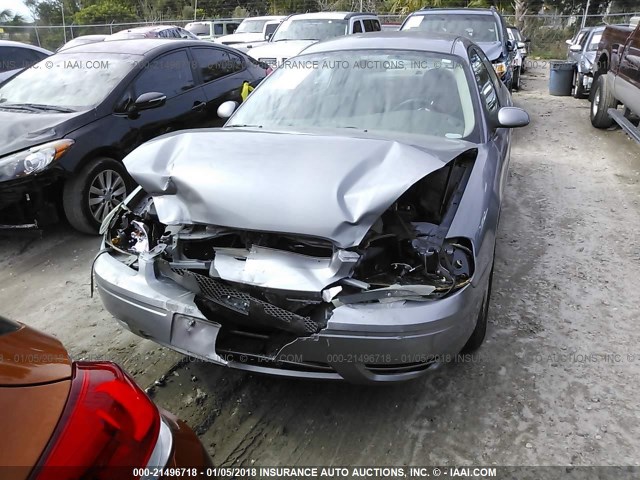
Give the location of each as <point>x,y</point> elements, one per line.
<point>67,122</point>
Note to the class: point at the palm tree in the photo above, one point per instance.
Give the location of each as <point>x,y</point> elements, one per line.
<point>5,15</point>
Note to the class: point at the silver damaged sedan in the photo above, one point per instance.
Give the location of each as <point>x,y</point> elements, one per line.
<point>341,225</point>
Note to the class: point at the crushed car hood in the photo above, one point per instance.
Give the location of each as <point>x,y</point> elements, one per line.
<point>327,186</point>
<point>493,50</point>
<point>20,130</point>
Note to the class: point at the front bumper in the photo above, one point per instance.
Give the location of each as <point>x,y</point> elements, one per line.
<point>361,343</point>
<point>27,200</point>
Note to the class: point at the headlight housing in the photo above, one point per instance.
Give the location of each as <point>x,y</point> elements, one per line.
<point>500,68</point>
<point>33,160</point>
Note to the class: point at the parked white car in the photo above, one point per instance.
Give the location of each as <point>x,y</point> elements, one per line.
<point>213,29</point>
<point>253,29</point>
<point>299,31</point>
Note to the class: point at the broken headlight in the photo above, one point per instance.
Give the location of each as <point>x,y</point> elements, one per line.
<point>133,230</point>
<point>411,269</point>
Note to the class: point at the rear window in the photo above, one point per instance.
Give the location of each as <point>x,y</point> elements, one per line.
<point>8,326</point>
<point>199,29</point>
<point>479,28</point>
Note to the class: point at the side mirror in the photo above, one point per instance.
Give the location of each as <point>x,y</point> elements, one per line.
<point>510,45</point>
<point>149,100</point>
<point>512,117</point>
<point>575,48</point>
<point>568,42</point>
<point>227,108</point>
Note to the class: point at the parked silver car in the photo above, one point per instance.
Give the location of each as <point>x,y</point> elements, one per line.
<point>341,225</point>
<point>583,55</point>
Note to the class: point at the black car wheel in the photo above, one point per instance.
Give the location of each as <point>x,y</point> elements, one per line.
<point>601,101</point>
<point>578,85</point>
<point>93,192</point>
<point>516,79</point>
<point>479,332</point>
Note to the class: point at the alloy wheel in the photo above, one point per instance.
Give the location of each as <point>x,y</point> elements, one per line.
<point>106,191</point>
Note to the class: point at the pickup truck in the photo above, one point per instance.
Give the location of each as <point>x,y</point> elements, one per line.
<point>617,79</point>
<point>252,29</point>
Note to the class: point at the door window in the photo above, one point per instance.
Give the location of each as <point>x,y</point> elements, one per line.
<point>370,25</point>
<point>169,74</point>
<point>214,63</point>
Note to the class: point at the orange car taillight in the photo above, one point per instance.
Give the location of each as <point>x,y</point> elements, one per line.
<point>108,426</point>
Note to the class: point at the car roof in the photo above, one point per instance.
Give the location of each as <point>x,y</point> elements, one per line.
<point>266,17</point>
<point>472,11</point>
<point>217,20</point>
<point>329,15</point>
<point>394,40</point>
<point>11,43</point>
<point>148,28</point>
<point>137,46</point>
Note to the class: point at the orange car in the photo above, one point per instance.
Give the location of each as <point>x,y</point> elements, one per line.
<point>76,420</point>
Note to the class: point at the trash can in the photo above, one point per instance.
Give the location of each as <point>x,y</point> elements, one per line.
<point>560,78</point>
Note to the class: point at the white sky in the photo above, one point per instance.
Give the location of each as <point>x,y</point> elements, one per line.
<point>16,6</point>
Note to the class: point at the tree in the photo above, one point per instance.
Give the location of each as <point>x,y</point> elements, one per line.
<point>5,15</point>
<point>105,11</point>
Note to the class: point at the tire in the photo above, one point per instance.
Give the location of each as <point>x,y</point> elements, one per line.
<point>602,100</point>
<point>93,192</point>
<point>578,85</point>
<point>479,332</point>
<point>516,79</point>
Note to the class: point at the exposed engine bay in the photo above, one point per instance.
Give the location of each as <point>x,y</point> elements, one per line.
<point>273,287</point>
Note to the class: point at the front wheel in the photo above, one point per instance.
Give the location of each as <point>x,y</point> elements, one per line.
<point>578,85</point>
<point>601,101</point>
<point>93,192</point>
<point>516,78</point>
<point>479,332</point>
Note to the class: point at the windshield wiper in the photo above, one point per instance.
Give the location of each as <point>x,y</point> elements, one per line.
<point>242,125</point>
<point>18,107</point>
<point>40,107</point>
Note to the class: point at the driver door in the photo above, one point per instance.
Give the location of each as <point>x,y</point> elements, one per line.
<point>172,75</point>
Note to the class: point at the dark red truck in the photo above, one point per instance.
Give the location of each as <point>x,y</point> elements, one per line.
<point>617,79</point>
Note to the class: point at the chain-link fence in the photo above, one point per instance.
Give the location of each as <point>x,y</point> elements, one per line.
<point>547,33</point>
<point>54,36</point>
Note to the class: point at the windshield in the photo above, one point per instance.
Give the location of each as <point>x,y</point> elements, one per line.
<point>310,29</point>
<point>595,41</point>
<point>251,26</point>
<point>70,80</point>
<point>378,90</point>
<point>479,28</point>
<point>199,29</point>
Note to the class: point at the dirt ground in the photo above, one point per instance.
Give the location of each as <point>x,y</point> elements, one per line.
<point>556,382</point>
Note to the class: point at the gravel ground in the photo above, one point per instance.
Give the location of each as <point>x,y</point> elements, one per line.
<point>555,383</point>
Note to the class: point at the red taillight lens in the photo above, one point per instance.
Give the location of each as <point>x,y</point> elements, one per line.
<point>269,71</point>
<point>108,423</point>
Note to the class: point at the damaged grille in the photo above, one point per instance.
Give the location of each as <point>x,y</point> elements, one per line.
<point>259,311</point>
